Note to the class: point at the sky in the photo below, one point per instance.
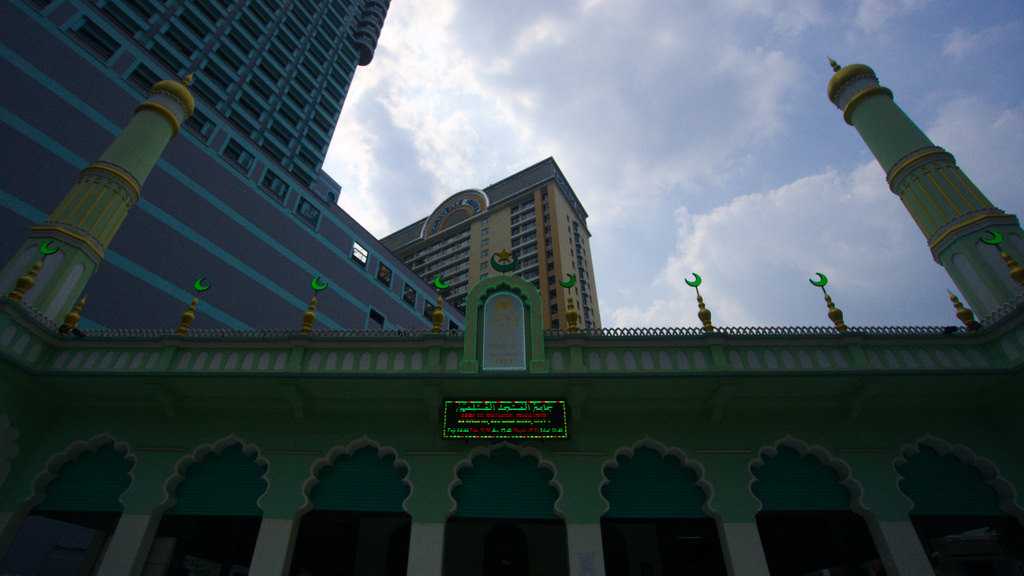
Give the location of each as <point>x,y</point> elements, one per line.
<point>699,138</point>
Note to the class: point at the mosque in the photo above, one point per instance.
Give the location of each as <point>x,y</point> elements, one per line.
<point>505,448</point>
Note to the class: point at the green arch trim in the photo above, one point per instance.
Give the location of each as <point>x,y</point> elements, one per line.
<point>505,484</point>
<point>530,296</point>
<point>92,482</point>
<point>228,483</point>
<point>789,481</point>
<point>367,480</point>
<point>943,484</point>
<point>649,484</point>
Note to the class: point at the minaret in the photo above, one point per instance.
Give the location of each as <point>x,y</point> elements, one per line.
<point>950,210</point>
<point>86,220</point>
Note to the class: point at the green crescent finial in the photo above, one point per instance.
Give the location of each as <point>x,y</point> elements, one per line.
<point>994,238</point>
<point>45,249</point>
<point>318,284</point>
<point>696,280</point>
<point>568,283</point>
<point>439,283</point>
<point>201,284</point>
<point>820,282</point>
<point>835,65</point>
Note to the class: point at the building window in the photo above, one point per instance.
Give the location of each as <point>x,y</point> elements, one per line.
<point>452,325</point>
<point>276,185</point>
<point>376,320</point>
<point>383,274</point>
<point>485,253</point>
<point>428,310</point>
<point>238,155</point>
<point>553,308</point>
<point>359,254</point>
<point>309,213</point>
<point>143,77</point>
<point>96,39</point>
<point>554,324</point>
<point>409,295</point>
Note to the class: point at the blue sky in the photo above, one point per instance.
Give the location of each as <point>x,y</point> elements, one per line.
<point>698,136</point>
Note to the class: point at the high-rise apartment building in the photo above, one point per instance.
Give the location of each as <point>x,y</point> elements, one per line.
<point>535,215</point>
<point>239,195</point>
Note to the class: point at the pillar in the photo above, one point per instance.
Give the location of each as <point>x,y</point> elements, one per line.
<point>124,555</point>
<point>586,555</point>
<point>580,477</point>
<point>426,548</point>
<point>951,212</point>
<point>83,224</point>
<point>272,556</point>
<point>737,508</point>
<point>888,516</point>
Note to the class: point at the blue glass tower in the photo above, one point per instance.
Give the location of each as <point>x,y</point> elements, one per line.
<point>239,196</point>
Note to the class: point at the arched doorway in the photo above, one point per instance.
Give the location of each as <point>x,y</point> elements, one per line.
<point>68,530</point>
<point>957,513</point>
<point>655,523</point>
<point>505,520</point>
<point>214,520</point>
<point>805,522</point>
<point>356,524</point>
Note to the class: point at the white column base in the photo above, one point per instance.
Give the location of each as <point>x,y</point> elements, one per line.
<point>129,545</point>
<point>272,556</point>
<point>901,549</point>
<point>426,547</point>
<point>586,555</point>
<point>744,553</point>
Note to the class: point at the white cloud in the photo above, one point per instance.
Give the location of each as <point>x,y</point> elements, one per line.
<point>756,251</point>
<point>872,15</point>
<point>960,42</point>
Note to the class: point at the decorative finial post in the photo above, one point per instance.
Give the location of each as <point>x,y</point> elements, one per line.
<point>703,313</point>
<point>834,313</point>
<point>187,80</point>
<point>26,281</point>
<point>437,315</point>
<point>964,314</point>
<point>187,317</point>
<point>835,66</point>
<point>995,239</point>
<point>309,316</point>
<point>572,316</point>
<point>70,324</point>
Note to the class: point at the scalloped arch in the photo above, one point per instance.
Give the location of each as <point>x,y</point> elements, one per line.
<point>1005,491</point>
<point>51,470</point>
<point>844,475</point>
<point>628,452</point>
<point>352,447</point>
<point>198,455</point>
<point>524,452</point>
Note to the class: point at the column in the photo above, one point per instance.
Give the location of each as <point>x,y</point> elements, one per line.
<point>888,520</point>
<point>272,556</point>
<point>586,555</point>
<point>426,548</point>
<point>737,507</point>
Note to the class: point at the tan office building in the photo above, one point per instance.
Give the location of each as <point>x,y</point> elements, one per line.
<point>535,215</point>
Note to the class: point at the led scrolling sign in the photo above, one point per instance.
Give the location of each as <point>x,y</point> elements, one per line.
<point>511,419</point>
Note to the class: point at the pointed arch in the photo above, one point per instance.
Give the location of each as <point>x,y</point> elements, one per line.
<point>625,455</point>
<point>199,455</point>
<point>384,453</point>
<point>842,471</point>
<point>977,469</point>
<point>523,452</point>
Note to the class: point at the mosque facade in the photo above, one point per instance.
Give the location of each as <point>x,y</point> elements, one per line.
<point>503,447</point>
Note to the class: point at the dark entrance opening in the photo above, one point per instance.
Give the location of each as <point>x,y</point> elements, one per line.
<point>338,543</point>
<point>220,545</point>
<point>808,541</point>
<point>972,545</point>
<point>638,547</point>
<point>60,542</point>
<point>500,547</point>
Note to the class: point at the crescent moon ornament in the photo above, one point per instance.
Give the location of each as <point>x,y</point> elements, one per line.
<point>568,283</point>
<point>820,282</point>
<point>439,283</point>
<point>995,238</point>
<point>511,262</point>
<point>696,280</point>
<point>317,284</point>
<point>45,249</point>
<point>201,284</point>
